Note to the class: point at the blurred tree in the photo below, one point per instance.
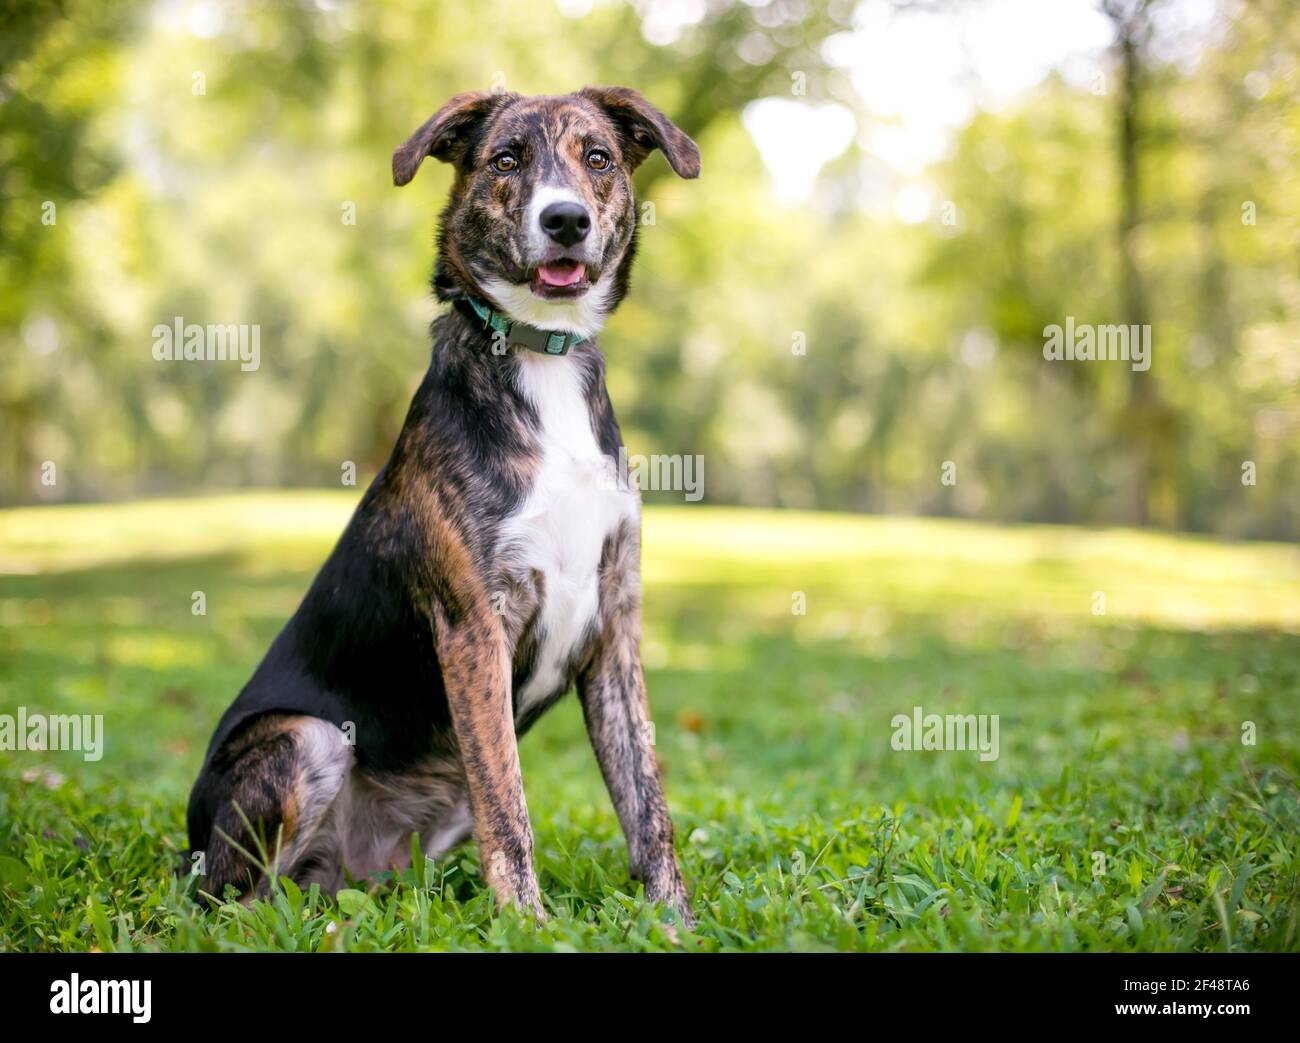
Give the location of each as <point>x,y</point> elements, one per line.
<point>228,162</point>
<point>54,80</point>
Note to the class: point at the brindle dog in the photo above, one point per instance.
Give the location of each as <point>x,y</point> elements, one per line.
<point>494,562</point>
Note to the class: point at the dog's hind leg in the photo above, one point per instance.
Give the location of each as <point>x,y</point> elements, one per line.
<point>269,791</point>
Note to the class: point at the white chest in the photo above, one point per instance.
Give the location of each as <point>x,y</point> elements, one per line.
<point>574,504</point>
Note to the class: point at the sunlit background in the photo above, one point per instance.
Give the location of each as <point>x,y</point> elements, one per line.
<point>906,193</point>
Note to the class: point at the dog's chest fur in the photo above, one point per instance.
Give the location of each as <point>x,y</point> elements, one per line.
<point>558,533</point>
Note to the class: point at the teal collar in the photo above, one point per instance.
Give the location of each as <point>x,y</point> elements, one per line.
<point>520,334</point>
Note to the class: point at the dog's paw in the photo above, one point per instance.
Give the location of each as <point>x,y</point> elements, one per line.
<point>667,888</point>
<point>535,910</point>
<point>528,903</point>
<point>683,911</point>
<point>514,883</point>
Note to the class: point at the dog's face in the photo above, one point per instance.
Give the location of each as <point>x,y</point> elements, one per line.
<point>541,220</point>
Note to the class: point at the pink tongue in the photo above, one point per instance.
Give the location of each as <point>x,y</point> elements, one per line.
<point>559,274</point>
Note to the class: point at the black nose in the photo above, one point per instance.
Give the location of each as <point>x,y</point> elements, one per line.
<point>566,223</point>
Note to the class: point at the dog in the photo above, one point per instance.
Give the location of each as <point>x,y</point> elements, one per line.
<point>494,562</point>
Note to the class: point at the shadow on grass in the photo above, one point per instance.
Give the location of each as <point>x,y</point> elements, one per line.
<point>742,698</point>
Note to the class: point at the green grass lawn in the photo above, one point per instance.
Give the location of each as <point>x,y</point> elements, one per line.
<point>1124,811</point>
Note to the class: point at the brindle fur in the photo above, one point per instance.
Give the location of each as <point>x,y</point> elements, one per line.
<point>386,706</point>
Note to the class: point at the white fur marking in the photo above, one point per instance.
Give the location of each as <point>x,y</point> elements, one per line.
<point>574,504</point>
<point>327,754</point>
<point>583,315</point>
<point>544,196</point>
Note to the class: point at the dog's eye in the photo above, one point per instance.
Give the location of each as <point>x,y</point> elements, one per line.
<point>504,163</point>
<point>598,159</point>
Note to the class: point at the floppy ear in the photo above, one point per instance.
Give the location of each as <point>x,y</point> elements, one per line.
<point>644,128</point>
<point>445,134</point>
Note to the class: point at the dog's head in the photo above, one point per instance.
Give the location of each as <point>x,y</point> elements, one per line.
<point>541,219</point>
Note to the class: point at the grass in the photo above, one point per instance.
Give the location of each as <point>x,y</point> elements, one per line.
<point>1124,811</point>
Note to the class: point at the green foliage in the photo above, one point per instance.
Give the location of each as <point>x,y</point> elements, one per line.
<point>228,206</point>
<point>1124,811</point>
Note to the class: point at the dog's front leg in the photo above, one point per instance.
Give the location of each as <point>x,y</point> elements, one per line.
<point>476,673</point>
<point>612,689</point>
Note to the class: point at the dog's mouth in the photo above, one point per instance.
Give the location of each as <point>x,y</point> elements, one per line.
<point>560,278</point>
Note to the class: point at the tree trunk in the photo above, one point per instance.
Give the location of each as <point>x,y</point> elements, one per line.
<point>1131,31</point>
